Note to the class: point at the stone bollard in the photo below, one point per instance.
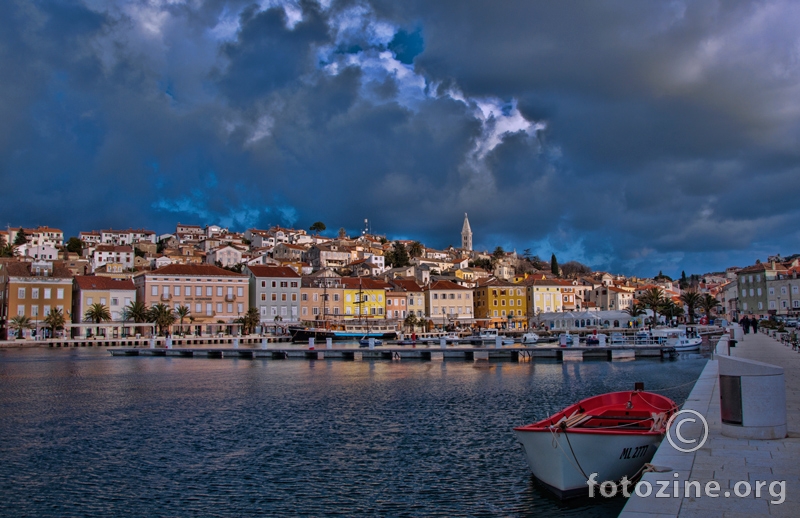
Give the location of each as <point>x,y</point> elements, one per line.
<point>235,343</point>
<point>752,399</point>
<point>152,343</point>
<point>443,342</point>
<point>329,343</point>
<point>264,343</point>
<point>498,342</point>
<point>311,344</point>
<point>169,342</point>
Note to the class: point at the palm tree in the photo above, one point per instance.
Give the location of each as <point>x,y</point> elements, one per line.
<point>162,316</point>
<point>135,311</point>
<point>635,310</point>
<point>8,250</point>
<point>653,299</point>
<point>20,323</point>
<point>97,313</point>
<point>55,320</point>
<point>708,303</point>
<point>692,300</point>
<point>182,312</point>
<point>250,320</point>
<point>410,321</point>
<point>671,309</point>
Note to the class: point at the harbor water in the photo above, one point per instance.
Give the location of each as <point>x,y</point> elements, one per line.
<point>88,434</point>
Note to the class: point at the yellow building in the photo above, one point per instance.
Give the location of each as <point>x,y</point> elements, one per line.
<point>364,297</point>
<point>543,295</point>
<point>501,304</point>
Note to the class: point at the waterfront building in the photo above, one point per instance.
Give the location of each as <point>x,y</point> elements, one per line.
<point>321,296</point>
<point>396,308</point>
<point>499,303</point>
<point>275,292</point>
<point>415,297</point>
<point>611,298</point>
<point>212,294</point>
<point>33,289</point>
<point>225,256</point>
<point>114,294</point>
<point>543,294</point>
<point>448,303</point>
<point>364,297</point>
<point>783,292</point>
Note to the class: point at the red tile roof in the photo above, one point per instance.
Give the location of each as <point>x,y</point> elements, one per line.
<point>92,282</point>
<point>273,271</point>
<point>444,285</point>
<point>195,269</point>
<point>365,283</point>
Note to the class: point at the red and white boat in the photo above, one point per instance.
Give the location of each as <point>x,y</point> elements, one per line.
<point>612,435</point>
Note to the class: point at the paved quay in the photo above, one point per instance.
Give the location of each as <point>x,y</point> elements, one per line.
<point>727,460</point>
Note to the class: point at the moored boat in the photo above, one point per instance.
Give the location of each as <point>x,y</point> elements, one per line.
<point>612,435</point>
<point>530,338</point>
<point>344,331</point>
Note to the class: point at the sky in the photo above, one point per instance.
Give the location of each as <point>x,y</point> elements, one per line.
<point>634,137</point>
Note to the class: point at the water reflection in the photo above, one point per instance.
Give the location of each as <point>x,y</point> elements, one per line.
<point>92,434</point>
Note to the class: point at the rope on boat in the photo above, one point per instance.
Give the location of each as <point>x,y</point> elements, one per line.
<point>671,388</point>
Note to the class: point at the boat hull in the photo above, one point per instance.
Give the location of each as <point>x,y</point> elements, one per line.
<point>611,457</point>
<point>303,334</point>
<point>610,436</point>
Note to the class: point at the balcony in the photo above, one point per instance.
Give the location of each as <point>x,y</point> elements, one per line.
<point>230,297</point>
<point>166,297</point>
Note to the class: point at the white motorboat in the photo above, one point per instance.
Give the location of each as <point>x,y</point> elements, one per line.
<point>489,336</point>
<point>612,435</point>
<point>530,338</point>
<point>678,338</point>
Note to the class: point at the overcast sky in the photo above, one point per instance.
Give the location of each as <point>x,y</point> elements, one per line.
<point>631,136</point>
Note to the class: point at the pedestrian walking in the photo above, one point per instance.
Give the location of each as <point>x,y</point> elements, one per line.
<point>745,324</point>
<point>754,324</point>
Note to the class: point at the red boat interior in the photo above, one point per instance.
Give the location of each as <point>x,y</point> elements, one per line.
<point>617,412</point>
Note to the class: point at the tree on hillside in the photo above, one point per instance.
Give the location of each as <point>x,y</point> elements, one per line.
<point>74,245</point>
<point>416,249</point>
<point>574,269</point>
<point>342,233</point>
<point>554,265</point>
<point>21,238</point>
<point>317,227</point>
<point>498,254</point>
<point>399,255</point>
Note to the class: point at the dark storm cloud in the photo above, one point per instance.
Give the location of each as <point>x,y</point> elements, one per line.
<point>632,136</point>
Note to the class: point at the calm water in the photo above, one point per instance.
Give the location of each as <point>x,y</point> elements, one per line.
<point>84,433</point>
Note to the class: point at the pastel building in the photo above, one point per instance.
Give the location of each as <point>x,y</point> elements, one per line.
<point>33,289</point>
<point>275,292</point>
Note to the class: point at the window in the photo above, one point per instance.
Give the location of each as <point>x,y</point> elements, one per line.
<point>783,290</point>
<point>60,293</point>
<point>240,292</point>
<point>274,284</point>
<point>314,311</point>
<point>208,291</point>
<point>796,303</point>
<point>21,293</point>
<point>209,311</point>
<point>48,293</point>
<point>771,304</point>
<point>263,284</point>
<point>759,291</point>
<point>114,301</point>
<point>198,308</point>
<point>274,296</point>
<point>772,291</point>
<point>760,305</point>
<point>744,293</point>
<point>89,301</point>
<point>346,310</point>
<point>336,297</point>
<point>283,311</point>
<point>511,302</point>
<point>294,284</point>
<point>284,284</point>
<point>751,292</point>
<point>294,297</point>
<point>240,308</point>
<point>34,293</point>
<point>21,310</point>
<point>35,310</point>
<point>219,307</point>
<point>127,301</point>
<point>102,301</point>
<point>198,291</point>
<point>435,296</point>
<point>176,291</point>
<point>495,312</point>
<point>219,291</point>
<point>283,297</point>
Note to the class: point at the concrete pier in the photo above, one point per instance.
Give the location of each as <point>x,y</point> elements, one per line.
<point>727,461</point>
<point>434,353</point>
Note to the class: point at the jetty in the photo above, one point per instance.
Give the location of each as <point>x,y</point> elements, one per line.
<point>424,353</point>
<point>726,460</point>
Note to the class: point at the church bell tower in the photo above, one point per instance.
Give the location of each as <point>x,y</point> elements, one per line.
<point>466,234</point>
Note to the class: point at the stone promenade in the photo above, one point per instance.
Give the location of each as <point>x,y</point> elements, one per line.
<point>726,460</point>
